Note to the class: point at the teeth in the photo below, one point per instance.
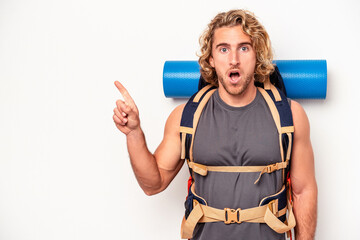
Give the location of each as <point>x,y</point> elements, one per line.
<point>234,72</point>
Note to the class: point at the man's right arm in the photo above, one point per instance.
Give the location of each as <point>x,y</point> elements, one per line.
<point>154,172</point>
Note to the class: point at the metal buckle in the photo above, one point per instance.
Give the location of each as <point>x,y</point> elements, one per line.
<point>232,215</point>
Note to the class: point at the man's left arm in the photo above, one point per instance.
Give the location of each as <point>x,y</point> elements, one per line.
<point>304,187</point>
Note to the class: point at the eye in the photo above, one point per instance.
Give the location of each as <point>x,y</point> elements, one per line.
<point>223,50</point>
<point>244,48</point>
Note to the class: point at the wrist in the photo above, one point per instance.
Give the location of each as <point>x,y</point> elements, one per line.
<point>135,133</point>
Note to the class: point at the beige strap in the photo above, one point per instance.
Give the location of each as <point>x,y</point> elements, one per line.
<point>186,130</point>
<point>183,141</point>
<point>289,147</point>
<point>228,215</point>
<point>198,168</point>
<point>188,225</point>
<point>193,191</point>
<point>201,92</point>
<point>267,84</point>
<point>197,115</point>
<point>275,92</point>
<point>202,213</point>
<point>203,169</point>
<point>272,168</point>
<point>276,117</point>
<point>289,129</point>
<point>273,109</point>
<point>278,226</point>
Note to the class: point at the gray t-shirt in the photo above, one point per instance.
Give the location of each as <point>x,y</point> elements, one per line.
<point>236,136</point>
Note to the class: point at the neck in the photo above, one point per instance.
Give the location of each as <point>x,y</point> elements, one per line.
<point>238,100</point>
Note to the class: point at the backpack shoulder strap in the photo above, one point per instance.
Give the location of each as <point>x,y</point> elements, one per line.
<point>190,118</point>
<point>281,112</point>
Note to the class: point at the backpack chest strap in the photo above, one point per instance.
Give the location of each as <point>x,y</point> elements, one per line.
<point>203,169</point>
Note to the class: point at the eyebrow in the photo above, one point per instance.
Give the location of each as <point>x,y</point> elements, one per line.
<point>227,44</point>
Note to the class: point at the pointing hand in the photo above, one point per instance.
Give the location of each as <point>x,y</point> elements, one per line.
<point>126,114</point>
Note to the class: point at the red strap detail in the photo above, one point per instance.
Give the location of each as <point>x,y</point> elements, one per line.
<point>189,183</point>
<point>289,186</point>
<point>288,180</point>
<point>289,234</point>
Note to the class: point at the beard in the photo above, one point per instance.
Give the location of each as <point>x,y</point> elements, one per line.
<point>239,88</point>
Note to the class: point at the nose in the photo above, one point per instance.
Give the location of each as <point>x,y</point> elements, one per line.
<point>234,58</point>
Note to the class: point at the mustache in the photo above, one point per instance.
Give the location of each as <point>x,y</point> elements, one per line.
<point>236,66</point>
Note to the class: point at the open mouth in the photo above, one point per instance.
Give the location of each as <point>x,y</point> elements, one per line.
<point>234,76</point>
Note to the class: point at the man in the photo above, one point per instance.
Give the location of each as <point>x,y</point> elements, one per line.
<point>235,128</point>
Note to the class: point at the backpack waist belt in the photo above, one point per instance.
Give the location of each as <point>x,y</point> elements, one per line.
<point>267,213</point>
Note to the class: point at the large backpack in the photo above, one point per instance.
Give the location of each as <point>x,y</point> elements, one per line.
<point>272,209</point>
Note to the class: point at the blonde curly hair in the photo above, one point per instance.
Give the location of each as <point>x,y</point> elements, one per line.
<point>259,38</point>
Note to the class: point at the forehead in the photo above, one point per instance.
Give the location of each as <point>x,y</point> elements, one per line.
<point>230,35</point>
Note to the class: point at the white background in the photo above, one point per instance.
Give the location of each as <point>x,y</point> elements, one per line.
<point>64,167</point>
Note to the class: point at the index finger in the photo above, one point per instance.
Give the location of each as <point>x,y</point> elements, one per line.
<point>124,93</point>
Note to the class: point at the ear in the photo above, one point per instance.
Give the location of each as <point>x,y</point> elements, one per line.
<point>211,61</point>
